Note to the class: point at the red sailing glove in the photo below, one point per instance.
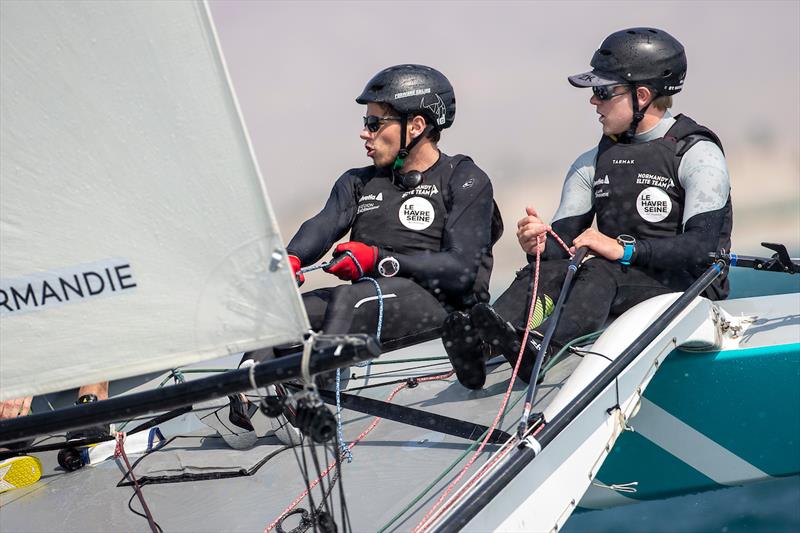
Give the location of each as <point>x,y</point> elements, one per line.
<point>294,262</point>
<point>343,266</point>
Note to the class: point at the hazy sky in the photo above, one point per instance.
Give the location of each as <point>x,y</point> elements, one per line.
<point>297,67</point>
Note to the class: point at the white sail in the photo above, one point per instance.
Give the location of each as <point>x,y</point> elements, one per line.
<point>135,230</point>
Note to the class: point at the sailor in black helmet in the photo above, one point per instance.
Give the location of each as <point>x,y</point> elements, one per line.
<point>422,223</point>
<point>657,187</point>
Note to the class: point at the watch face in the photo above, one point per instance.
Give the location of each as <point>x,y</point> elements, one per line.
<point>625,239</point>
<point>388,267</point>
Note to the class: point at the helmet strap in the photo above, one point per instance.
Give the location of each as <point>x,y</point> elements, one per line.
<point>402,154</point>
<point>638,115</point>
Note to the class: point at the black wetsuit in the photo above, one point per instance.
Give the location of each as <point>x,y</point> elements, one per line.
<point>636,189</point>
<point>441,233</point>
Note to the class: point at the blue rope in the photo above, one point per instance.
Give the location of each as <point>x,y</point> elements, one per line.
<point>339,433</point>
<point>345,450</point>
<point>362,277</point>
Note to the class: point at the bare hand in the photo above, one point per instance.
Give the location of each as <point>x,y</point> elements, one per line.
<point>532,232</point>
<point>598,243</point>
<point>15,408</point>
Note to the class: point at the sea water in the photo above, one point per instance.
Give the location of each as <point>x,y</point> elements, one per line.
<point>770,506</point>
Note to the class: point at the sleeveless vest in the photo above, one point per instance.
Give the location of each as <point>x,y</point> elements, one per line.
<point>636,191</point>
<point>413,221</point>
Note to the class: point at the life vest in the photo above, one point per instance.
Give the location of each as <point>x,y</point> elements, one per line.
<point>413,221</point>
<point>636,191</point>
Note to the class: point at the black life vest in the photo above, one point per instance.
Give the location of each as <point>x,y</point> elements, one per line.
<point>413,221</point>
<point>636,191</point>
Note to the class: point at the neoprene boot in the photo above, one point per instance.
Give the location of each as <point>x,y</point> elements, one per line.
<point>504,338</point>
<point>465,349</point>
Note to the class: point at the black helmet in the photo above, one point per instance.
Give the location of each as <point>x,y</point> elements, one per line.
<point>414,90</point>
<point>638,56</point>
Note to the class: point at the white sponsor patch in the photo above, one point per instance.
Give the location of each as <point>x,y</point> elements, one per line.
<point>413,92</point>
<point>422,190</point>
<point>653,204</point>
<point>416,213</point>
<point>363,208</point>
<point>371,197</point>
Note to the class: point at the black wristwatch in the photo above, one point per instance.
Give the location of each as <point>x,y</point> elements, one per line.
<point>629,248</point>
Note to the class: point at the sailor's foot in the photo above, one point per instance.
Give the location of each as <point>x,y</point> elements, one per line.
<point>284,426</point>
<point>505,339</point>
<point>20,471</point>
<point>465,349</point>
<point>91,433</point>
<point>233,424</point>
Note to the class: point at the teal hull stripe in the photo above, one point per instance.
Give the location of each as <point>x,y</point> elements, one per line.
<point>734,400</point>
<point>692,447</point>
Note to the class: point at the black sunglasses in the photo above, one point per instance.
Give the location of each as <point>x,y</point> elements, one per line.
<point>373,122</point>
<point>606,92</point>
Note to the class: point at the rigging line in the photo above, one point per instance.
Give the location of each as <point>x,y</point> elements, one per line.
<point>423,524</point>
<point>444,473</point>
<point>415,417</point>
<point>466,452</point>
<point>403,380</point>
<point>412,360</point>
<point>324,503</point>
<point>571,346</point>
<point>496,458</point>
<point>572,269</point>
<point>303,473</point>
<point>580,351</point>
<point>308,486</point>
<point>339,431</point>
<point>137,513</point>
<point>120,451</point>
<point>358,439</point>
<point>346,523</point>
<point>401,370</point>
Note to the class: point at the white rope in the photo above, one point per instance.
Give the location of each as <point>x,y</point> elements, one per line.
<point>629,487</point>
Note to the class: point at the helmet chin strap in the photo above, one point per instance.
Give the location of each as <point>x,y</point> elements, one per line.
<point>638,115</point>
<point>402,154</point>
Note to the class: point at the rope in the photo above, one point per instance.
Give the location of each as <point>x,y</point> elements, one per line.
<point>446,471</point>
<point>361,277</point>
<point>120,451</point>
<point>629,487</point>
<point>432,513</point>
<point>344,449</point>
<point>358,439</point>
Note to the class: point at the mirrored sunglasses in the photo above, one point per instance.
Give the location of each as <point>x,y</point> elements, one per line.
<point>373,122</point>
<point>606,92</point>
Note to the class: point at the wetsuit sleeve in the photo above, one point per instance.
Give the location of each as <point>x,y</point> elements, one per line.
<point>575,211</point>
<point>317,234</point>
<point>467,236</point>
<point>703,174</point>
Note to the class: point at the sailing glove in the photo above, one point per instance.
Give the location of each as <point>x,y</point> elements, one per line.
<point>343,267</point>
<point>299,277</point>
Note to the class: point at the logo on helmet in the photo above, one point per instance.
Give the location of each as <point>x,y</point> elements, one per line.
<point>413,92</point>
<point>437,108</point>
